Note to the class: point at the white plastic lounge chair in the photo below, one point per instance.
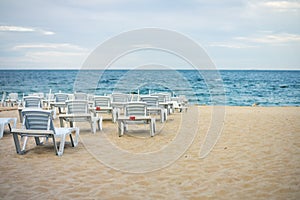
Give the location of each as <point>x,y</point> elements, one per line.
<point>154,108</point>
<point>183,100</point>
<point>12,99</point>
<point>90,97</point>
<point>78,111</point>
<point>38,94</point>
<point>164,100</point>
<point>80,96</point>
<point>135,112</point>
<point>118,102</point>
<point>50,98</point>
<point>39,123</point>
<point>61,97</point>
<point>41,95</point>
<point>179,103</point>
<point>3,103</point>
<point>60,101</point>
<point>7,121</point>
<point>120,97</point>
<point>102,101</point>
<point>30,102</point>
<point>102,104</point>
<point>83,96</point>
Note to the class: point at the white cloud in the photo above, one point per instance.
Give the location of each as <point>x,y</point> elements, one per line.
<point>52,54</point>
<point>46,55</point>
<point>16,29</point>
<point>281,38</point>
<point>288,7</point>
<point>25,29</point>
<point>44,60</point>
<point>60,46</point>
<point>282,5</point>
<point>88,3</point>
<point>255,41</point>
<point>47,32</point>
<point>232,45</point>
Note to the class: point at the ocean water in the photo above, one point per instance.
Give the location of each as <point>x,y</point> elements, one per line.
<point>227,87</point>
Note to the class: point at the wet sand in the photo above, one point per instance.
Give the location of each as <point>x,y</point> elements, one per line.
<point>256,157</point>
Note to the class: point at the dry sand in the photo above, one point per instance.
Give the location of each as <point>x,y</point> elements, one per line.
<point>256,157</point>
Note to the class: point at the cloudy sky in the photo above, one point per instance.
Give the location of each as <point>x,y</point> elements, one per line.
<point>236,34</point>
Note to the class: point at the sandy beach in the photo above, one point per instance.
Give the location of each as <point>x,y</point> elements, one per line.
<point>256,157</point>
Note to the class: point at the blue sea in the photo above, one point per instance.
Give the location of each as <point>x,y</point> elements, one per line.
<point>225,87</point>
